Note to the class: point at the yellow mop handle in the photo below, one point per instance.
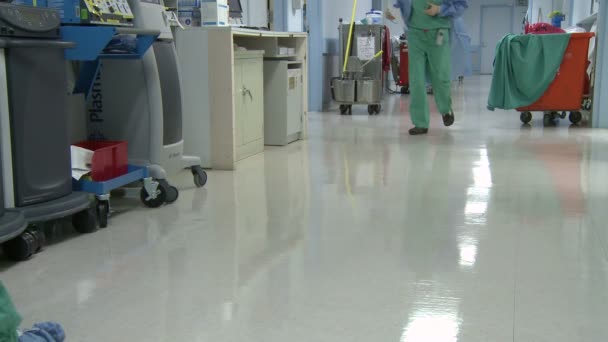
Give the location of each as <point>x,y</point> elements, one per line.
<point>350,36</point>
<point>371,60</point>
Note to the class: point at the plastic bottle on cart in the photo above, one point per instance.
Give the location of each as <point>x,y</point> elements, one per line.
<point>374,17</point>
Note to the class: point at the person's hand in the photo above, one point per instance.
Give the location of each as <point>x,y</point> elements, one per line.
<point>389,15</point>
<point>432,10</point>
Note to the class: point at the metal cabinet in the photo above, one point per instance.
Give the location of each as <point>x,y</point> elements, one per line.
<point>249,103</point>
<point>283,101</point>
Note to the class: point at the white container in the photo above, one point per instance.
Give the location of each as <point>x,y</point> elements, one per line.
<point>191,18</point>
<point>214,13</point>
<point>374,17</point>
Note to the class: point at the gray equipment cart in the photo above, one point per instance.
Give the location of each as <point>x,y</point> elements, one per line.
<point>34,138</point>
<point>362,81</point>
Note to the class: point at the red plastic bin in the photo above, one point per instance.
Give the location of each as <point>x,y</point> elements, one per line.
<point>109,159</point>
<point>567,89</point>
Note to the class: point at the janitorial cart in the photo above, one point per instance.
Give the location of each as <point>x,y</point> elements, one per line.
<point>361,82</point>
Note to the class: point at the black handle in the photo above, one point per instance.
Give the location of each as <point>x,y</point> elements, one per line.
<point>35,43</point>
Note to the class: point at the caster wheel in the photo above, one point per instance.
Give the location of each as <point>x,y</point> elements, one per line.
<point>525,117</point>
<point>85,221</point>
<point>155,200</point>
<point>371,109</point>
<point>587,104</point>
<point>576,117</point>
<point>350,110</point>
<point>171,192</point>
<point>343,109</point>
<point>548,120</point>
<point>405,90</point>
<point>24,246</point>
<point>103,212</point>
<point>378,109</point>
<point>200,176</point>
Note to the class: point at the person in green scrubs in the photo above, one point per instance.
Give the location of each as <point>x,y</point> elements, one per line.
<point>429,30</point>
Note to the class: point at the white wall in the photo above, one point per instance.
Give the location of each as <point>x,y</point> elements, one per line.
<point>576,10</point>
<point>256,12</point>
<point>600,105</point>
<point>545,5</point>
<point>397,26</point>
<point>472,17</point>
<point>333,10</point>
<point>295,19</point>
<point>581,9</point>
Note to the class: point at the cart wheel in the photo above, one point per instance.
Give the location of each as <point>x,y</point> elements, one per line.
<point>25,245</point>
<point>587,104</point>
<point>405,90</point>
<point>103,212</point>
<point>343,109</point>
<point>85,221</point>
<point>525,117</point>
<point>158,200</point>
<point>548,120</point>
<point>350,109</point>
<point>576,117</point>
<point>172,194</point>
<point>378,109</point>
<point>200,176</point>
<point>371,109</point>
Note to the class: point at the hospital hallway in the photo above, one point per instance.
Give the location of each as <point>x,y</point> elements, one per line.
<point>484,231</point>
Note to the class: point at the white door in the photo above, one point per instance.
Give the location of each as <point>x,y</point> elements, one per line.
<point>496,22</point>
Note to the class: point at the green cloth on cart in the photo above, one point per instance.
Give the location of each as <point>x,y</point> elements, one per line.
<point>524,67</point>
<point>9,318</point>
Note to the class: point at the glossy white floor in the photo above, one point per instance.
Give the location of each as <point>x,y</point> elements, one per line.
<point>487,231</point>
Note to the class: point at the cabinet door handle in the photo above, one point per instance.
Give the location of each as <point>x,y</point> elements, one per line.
<point>247,92</point>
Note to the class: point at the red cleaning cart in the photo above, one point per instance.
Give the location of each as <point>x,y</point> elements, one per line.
<point>569,91</point>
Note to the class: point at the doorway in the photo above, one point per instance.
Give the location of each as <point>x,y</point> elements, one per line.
<point>496,22</point>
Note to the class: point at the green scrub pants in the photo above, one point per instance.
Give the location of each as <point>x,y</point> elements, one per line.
<point>428,53</point>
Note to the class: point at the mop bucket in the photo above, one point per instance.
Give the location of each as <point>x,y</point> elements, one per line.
<point>342,90</point>
<point>369,91</point>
